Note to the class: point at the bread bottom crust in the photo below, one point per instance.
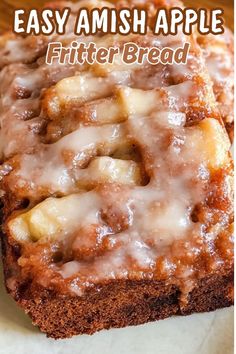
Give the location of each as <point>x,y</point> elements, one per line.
<point>116,304</point>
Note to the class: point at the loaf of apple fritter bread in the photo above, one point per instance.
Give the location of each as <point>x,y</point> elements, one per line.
<point>116,184</point>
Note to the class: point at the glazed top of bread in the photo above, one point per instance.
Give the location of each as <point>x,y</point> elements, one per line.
<point>113,171</point>
<point>218,52</point>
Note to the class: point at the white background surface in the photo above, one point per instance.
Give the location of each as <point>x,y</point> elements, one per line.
<point>202,333</point>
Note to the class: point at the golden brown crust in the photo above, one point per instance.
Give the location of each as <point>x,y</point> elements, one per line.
<point>116,304</point>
